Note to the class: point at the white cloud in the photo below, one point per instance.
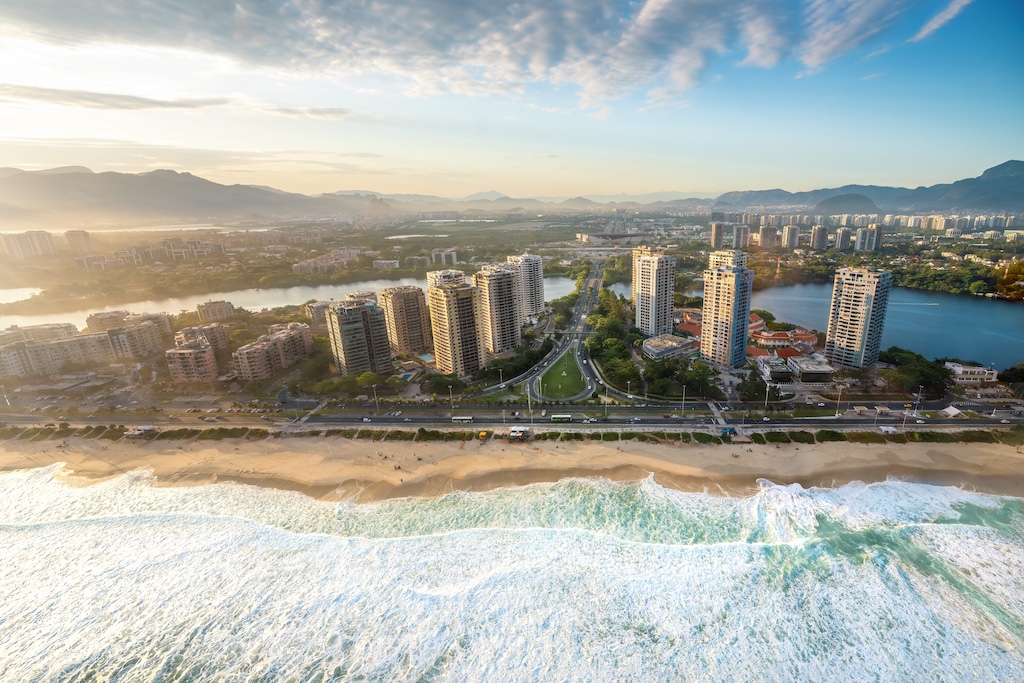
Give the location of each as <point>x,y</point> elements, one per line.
<point>941,19</point>
<point>605,49</point>
<point>101,100</point>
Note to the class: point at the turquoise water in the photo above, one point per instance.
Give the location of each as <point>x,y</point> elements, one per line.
<point>578,580</point>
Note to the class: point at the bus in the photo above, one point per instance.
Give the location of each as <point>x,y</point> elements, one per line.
<point>460,418</point>
<point>561,418</point>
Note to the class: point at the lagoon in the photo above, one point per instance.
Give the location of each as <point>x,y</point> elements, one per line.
<point>250,299</point>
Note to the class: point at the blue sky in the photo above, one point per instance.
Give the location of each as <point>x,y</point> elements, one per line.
<point>534,97</point>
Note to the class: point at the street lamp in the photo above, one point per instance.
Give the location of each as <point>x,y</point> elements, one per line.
<point>375,401</point>
<point>917,403</point>
<point>839,402</point>
<point>906,413</point>
<point>451,399</point>
<point>629,393</point>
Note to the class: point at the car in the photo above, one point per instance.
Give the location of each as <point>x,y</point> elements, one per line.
<point>502,386</point>
<point>1005,422</point>
<point>636,419</point>
<point>407,419</point>
<point>265,418</point>
<point>821,405</point>
<point>766,419</point>
<point>366,419</point>
<point>920,422</point>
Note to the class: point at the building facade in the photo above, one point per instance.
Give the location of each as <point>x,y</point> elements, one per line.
<point>407,320</point>
<point>531,268</point>
<point>725,319</point>
<point>215,310</point>
<point>717,235</point>
<point>501,310</point>
<point>454,319</point>
<point>438,278</point>
<point>654,282</point>
<point>791,236</point>
<point>860,298</point>
<point>819,238</point>
<point>359,337</point>
<point>283,346</point>
<point>192,363</point>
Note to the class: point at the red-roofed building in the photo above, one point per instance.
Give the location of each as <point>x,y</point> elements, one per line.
<point>754,352</point>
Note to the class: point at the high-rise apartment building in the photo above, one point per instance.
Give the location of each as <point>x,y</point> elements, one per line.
<point>860,298</point>
<point>865,240</point>
<point>654,283</point>
<point>501,316</point>
<point>454,314</point>
<point>437,278</point>
<point>790,236</point>
<point>27,245</point>
<point>79,242</point>
<point>819,238</point>
<point>407,319</point>
<point>105,320</point>
<point>214,334</point>
<point>136,342</point>
<point>445,256</point>
<point>843,236</point>
<point>531,268</point>
<point>283,346</point>
<point>359,337</point>
<point>717,235</point>
<point>740,236</point>
<point>728,285</point>
<point>215,310</point>
<point>769,237</point>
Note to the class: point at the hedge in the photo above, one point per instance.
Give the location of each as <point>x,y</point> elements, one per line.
<point>801,437</point>
<point>758,438</point>
<point>701,437</point>
<point>975,436</point>
<point>610,436</point>
<point>402,435</point>
<point>930,437</point>
<point>865,437</point>
<point>776,437</point>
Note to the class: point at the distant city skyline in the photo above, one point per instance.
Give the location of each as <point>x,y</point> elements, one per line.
<point>535,98</point>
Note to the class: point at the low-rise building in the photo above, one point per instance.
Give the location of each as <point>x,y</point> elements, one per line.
<point>667,347</point>
<point>811,370</point>
<point>215,310</point>
<point>971,375</point>
<point>283,346</point>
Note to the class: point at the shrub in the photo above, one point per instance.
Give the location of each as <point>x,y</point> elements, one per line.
<point>826,435</point>
<point>776,437</point>
<point>1013,436</point>
<point>683,436</point>
<point>595,436</point>
<point>930,437</point>
<point>572,436</point>
<point>429,435</point>
<point>114,433</point>
<point>647,438</point>
<point>758,438</point>
<point>400,436</point>
<point>627,436</point>
<point>702,438</point>
<point>801,437</point>
<point>895,438</point>
<point>257,433</point>
<point>610,436</point>
<point>975,436</point>
<point>218,433</point>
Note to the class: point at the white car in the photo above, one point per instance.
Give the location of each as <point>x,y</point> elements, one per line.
<point>821,405</point>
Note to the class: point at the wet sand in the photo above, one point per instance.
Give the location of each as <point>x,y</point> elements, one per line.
<point>334,468</point>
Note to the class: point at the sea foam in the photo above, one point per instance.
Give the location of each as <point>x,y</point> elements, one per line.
<point>577,580</point>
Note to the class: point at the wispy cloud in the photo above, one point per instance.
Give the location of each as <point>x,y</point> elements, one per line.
<point>99,100</point>
<point>870,77</point>
<point>941,19</point>
<point>328,113</point>
<point>606,49</point>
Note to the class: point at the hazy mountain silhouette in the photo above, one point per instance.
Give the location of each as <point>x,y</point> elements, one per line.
<point>74,194</point>
<point>845,203</point>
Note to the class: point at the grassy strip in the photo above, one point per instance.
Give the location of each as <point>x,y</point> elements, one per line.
<point>178,434</point>
<point>758,438</point>
<point>866,437</point>
<point>826,435</point>
<point>702,438</point>
<point>801,437</point>
<point>219,433</point>
<point>402,435</point>
<point>930,437</point>
<point>975,436</point>
<point>776,437</point>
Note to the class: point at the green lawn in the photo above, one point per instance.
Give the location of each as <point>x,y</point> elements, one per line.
<point>557,385</point>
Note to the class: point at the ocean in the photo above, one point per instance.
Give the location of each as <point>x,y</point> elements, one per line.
<point>580,580</point>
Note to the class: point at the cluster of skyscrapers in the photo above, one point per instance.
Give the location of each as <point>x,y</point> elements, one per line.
<point>462,320</point>
<point>867,238</point>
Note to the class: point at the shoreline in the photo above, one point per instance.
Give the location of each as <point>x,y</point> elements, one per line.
<point>336,468</point>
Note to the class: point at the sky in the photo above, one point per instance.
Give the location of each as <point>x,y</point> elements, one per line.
<point>530,97</point>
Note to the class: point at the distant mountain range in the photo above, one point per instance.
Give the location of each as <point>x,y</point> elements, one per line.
<point>75,195</point>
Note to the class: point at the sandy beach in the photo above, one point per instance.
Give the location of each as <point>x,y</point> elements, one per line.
<point>335,468</point>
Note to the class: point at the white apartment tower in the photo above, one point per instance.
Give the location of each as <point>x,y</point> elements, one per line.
<point>501,308</point>
<point>728,284</point>
<point>791,236</point>
<point>860,298</point>
<point>437,278</point>
<point>654,283</point>
<point>531,267</point>
<point>454,314</point>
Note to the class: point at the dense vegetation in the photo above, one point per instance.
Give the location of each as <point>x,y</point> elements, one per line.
<point>912,370</point>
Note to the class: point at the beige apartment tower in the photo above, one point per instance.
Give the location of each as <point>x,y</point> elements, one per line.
<point>728,284</point>
<point>454,314</point>
<point>407,320</point>
<point>501,310</point>
<point>359,337</point>
<point>654,282</point>
<point>531,287</point>
<point>860,298</point>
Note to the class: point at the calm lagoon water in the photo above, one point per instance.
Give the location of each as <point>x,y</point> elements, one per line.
<point>251,299</point>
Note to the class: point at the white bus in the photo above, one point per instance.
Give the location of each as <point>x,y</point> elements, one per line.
<point>460,418</point>
<point>561,418</point>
